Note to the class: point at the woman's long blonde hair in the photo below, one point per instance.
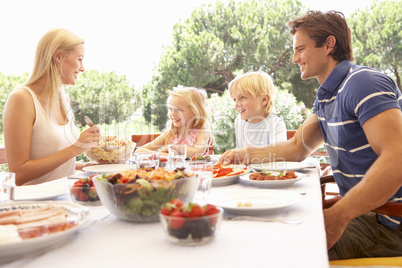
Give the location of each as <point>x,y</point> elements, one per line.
<point>52,43</point>
<point>197,101</point>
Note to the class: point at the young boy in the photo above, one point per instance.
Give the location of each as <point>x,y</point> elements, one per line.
<point>256,125</point>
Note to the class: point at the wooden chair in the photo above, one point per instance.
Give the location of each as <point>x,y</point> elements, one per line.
<point>141,139</point>
<point>390,209</point>
<point>290,134</point>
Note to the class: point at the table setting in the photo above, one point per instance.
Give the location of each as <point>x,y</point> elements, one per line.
<point>261,223</point>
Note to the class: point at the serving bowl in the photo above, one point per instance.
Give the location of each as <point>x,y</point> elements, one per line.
<point>191,231</point>
<point>116,151</point>
<point>138,195</point>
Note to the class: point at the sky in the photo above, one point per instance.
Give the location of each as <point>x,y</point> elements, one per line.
<point>120,35</point>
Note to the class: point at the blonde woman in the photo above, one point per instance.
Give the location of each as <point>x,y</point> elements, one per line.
<point>189,123</point>
<point>253,94</point>
<point>41,139</point>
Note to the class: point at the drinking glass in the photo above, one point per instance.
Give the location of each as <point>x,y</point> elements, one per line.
<point>144,160</point>
<point>204,171</point>
<point>177,155</point>
<point>7,185</point>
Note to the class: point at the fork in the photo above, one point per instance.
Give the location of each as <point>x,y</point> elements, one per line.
<point>89,122</point>
<point>253,218</point>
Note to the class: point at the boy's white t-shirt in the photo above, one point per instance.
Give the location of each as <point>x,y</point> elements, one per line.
<point>270,130</point>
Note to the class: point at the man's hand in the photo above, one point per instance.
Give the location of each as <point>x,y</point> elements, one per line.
<point>234,156</point>
<point>334,226</point>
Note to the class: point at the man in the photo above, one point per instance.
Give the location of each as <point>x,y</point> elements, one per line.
<point>357,113</point>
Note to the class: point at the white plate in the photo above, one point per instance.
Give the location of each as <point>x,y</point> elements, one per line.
<point>279,166</point>
<point>222,181</point>
<point>39,245</point>
<point>263,201</point>
<point>111,168</point>
<point>39,192</point>
<point>272,183</point>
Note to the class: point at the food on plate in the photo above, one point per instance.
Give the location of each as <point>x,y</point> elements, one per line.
<point>138,195</point>
<point>117,151</point>
<point>83,191</point>
<point>190,223</point>
<point>35,222</point>
<point>227,171</point>
<point>9,233</point>
<point>272,175</point>
<point>201,158</point>
<point>244,204</point>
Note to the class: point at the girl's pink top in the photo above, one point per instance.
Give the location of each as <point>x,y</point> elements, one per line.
<point>189,140</point>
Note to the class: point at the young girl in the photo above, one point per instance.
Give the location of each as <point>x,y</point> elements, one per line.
<point>253,94</point>
<point>188,123</point>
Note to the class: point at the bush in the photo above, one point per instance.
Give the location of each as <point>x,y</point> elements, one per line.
<point>223,115</point>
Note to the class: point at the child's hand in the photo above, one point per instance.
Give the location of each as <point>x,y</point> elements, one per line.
<point>163,150</point>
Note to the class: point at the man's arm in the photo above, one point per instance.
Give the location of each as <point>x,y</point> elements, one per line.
<point>381,181</point>
<point>306,140</point>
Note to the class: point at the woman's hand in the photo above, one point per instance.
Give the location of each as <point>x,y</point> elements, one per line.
<point>88,138</point>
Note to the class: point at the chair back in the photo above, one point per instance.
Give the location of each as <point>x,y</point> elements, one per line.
<point>142,139</point>
<point>290,134</point>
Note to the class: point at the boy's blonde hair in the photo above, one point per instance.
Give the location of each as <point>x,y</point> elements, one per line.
<point>53,42</point>
<point>257,84</point>
<point>197,101</point>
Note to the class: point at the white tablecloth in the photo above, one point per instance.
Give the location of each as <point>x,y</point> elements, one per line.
<point>109,242</point>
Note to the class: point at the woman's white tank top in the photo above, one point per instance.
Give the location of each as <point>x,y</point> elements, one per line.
<point>49,138</point>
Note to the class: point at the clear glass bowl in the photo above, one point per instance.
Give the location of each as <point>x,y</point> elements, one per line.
<point>195,231</point>
<point>142,202</point>
<point>85,196</point>
<point>116,152</point>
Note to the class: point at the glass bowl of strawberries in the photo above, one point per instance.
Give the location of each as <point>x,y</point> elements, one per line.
<point>83,192</point>
<point>190,224</point>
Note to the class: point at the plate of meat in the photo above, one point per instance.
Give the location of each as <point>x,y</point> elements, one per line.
<point>272,179</point>
<point>31,228</point>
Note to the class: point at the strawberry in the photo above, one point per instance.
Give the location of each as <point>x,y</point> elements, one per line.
<point>78,183</point>
<point>177,221</point>
<point>211,210</point>
<point>176,202</point>
<point>83,197</point>
<point>166,210</point>
<point>193,210</point>
<point>76,192</point>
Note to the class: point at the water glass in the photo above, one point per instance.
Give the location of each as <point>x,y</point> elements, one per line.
<point>177,155</point>
<point>7,185</point>
<point>204,171</point>
<point>144,160</point>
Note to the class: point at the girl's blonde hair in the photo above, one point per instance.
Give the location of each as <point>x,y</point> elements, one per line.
<point>257,84</point>
<point>45,66</point>
<point>197,101</point>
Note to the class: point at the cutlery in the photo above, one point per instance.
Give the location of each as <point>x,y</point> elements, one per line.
<point>253,218</point>
<point>89,122</point>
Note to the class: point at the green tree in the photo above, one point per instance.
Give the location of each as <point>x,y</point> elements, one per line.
<point>7,84</point>
<point>377,37</point>
<point>103,97</point>
<point>218,42</point>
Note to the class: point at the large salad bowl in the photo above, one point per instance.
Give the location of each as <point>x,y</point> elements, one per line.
<point>138,195</point>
